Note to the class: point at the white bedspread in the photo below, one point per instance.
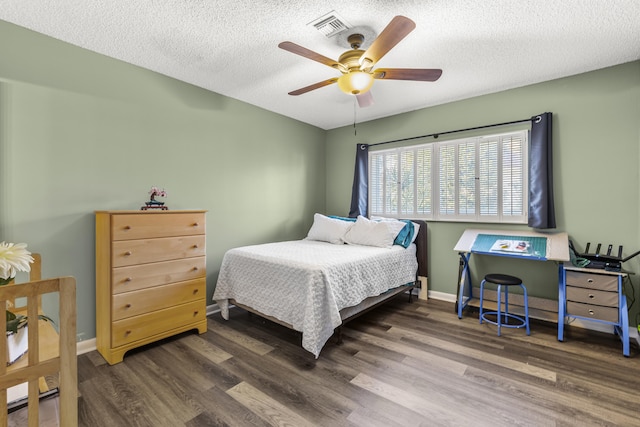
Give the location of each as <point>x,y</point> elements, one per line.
<point>306,283</point>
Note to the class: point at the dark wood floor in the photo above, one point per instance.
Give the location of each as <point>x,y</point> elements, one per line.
<point>401,365</point>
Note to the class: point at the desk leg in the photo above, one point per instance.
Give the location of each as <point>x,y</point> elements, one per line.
<point>562,300</point>
<point>623,319</point>
<point>464,276</point>
<point>461,266</point>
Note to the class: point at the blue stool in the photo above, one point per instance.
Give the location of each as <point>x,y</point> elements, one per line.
<point>504,281</point>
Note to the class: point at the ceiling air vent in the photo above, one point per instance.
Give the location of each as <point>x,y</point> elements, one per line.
<point>330,24</point>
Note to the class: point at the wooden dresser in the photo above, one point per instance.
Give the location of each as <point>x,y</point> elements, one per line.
<point>150,277</point>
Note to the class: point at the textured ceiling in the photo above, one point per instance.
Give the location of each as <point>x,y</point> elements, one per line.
<point>231,47</point>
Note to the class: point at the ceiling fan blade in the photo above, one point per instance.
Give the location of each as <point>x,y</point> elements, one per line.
<point>398,28</point>
<point>419,74</point>
<point>303,51</point>
<point>313,87</point>
<point>365,99</point>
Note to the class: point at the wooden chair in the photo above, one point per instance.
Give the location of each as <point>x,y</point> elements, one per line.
<point>49,353</point>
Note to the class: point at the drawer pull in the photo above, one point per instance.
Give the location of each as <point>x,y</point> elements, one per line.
<point>127,306</point>
<point>127,333</point>
<point>195,268</point>
<point>195,291</point>
<point>195,246</point>
<point>195,313</point>
<point>591,313</point>
<point>128,253</point>
<point>592,296</point>
<point>127,227</point>
<point>195,224</point>
<point>128,279</point>
<point>590,280</point>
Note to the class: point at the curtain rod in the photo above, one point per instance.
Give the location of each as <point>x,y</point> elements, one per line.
<point>437,134</point>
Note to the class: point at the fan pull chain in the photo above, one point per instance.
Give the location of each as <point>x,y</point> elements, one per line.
<point>355,131</point>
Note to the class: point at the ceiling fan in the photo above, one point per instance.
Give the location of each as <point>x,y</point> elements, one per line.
<point>356,65</point>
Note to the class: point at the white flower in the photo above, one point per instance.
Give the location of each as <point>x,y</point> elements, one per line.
<point>14,258</point>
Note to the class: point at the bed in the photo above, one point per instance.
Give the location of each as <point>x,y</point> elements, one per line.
<point>342,269</point>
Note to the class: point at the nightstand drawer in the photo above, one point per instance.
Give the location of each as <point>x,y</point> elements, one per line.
<point>150,225</point>
<point>146,300</point>
<point>592,296</point>
<point>608,314</point>
<point>603,282</point>
<point>126,279</point>
<point>146,325</point>
<point>132,252</point>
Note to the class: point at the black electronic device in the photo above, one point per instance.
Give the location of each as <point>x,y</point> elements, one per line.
<point>597,260</point>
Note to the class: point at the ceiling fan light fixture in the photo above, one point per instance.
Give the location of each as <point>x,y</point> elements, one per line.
<point>355,82</point>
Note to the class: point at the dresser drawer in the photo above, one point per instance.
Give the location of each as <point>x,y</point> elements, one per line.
<point>126,279</point>
<point>603,282</point>
<point>146,325</point>
<point>132,252</point>
<point>150,225</point>
<point>151,299</point>
<point>592,296</point>
<point>591,311</point>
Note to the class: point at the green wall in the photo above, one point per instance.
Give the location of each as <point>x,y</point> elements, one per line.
<point>596,132</point>
<point>81,132</point>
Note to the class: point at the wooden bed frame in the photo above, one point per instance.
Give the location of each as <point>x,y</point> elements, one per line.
<point>350,313</point>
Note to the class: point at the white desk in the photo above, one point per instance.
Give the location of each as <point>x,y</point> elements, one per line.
<point>556,249</point>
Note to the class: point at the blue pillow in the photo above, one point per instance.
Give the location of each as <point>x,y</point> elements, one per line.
<point>405,235</point>
<point>342,218</point>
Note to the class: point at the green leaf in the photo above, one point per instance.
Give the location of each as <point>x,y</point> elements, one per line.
<point>15,322</point>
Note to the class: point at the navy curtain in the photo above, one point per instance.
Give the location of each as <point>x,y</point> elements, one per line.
<point>541,206</point>
<point>360,183</point>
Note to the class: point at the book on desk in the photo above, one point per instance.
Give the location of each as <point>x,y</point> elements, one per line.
<point>515,246</point>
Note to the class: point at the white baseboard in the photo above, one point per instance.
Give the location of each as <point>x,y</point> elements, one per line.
<point>213,308</point>
<point>85,346</point>
<point>442,296</point>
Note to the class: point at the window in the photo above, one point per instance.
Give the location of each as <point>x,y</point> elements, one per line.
<point>480,179</point>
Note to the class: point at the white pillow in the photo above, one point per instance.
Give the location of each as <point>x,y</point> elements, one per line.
<point>373,233</point>
<point>381,218</point>
<point>416,228</point>
<point>327,229</point>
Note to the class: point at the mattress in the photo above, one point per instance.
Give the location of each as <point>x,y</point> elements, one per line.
<point>306,283</point>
